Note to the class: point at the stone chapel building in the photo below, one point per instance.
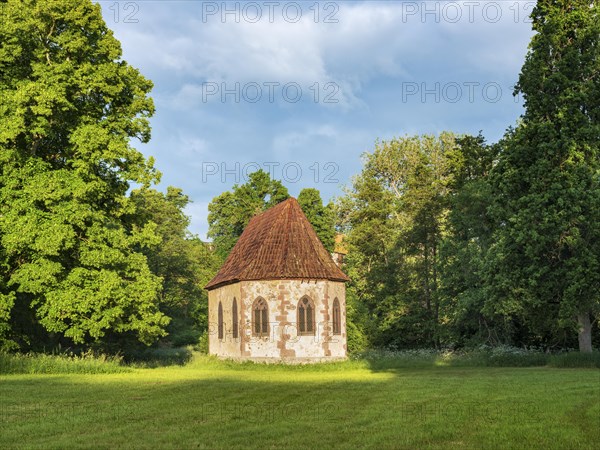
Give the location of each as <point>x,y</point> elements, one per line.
<point>279,295</point>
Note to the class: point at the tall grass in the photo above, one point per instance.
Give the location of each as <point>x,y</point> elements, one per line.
<point>502,356</point>
<point>575,359</point>
<point>37,363</point>
<point>381,359</point>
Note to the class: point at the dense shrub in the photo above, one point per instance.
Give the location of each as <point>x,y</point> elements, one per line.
<point>160,357</point>
<point>184,337</point>
<point>202,346</point>
<point>356,340</point>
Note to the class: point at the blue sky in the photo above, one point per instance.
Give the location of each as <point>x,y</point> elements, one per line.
<point>302,89</point>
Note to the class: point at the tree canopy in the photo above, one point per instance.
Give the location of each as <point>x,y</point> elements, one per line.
<point>544,264</point>
<point>230,212</point>
<point>321,217</point>
<point>69,107</point>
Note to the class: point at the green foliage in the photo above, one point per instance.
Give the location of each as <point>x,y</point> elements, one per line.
<point>543,267</point>
<point>575,359</point>
<point>395,217</point>
<point>35,363</point>
<point>69,106</point>
<point>356,335</point>
<point>461,243</point>
<point>183,262</point>
<point>500,356</point>
<point>7,302</point>
<point>466,239</point>
<point>230,212</point>
<point>321,217</point>
<point>203,343</point>
<point>150,358</point>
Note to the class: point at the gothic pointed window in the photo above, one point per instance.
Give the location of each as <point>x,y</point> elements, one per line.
<point>220,321</point>
<point>306,317</point>
<point>260,318</point>
<point>234,319</point>
<point>337,317</point>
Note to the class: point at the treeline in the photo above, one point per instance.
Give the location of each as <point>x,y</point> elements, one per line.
<point>436,258</point>
<point>453,242</point>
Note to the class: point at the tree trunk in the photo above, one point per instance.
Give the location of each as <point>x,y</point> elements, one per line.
<point>436,299</point>
<point>585,332</point>
<point>426,286</point>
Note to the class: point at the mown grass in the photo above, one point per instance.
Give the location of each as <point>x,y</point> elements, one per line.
<point>361,403</point>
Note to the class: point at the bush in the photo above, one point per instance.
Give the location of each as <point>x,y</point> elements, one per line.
<point>34,363</point>
<point>356,339</point>
<point>185,337</point>
<point>202,346</point>
<point>160,357</point>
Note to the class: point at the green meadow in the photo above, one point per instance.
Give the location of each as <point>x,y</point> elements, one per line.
<point>376,403</point>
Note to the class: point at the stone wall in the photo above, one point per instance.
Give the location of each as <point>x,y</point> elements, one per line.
<point>228,347</point>
<point>283,341</point>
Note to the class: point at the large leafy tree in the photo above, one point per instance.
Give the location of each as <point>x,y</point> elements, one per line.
<point>395,216</point>
<point>321,217</point>
<point>184,263</point>
<point>467,237</point>
<point>544,265</point>
<point>230,212</point>
<point>69,107</point>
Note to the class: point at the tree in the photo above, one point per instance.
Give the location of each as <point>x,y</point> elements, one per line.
<point>230,212</point>
<point>321,217</point>
<point>465,242</point>
<point>69,106</point>
<point>395,216</point>
<point>183,262</point>
<point>544,264</point>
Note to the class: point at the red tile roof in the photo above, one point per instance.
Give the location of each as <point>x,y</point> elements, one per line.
<point>279,243</point>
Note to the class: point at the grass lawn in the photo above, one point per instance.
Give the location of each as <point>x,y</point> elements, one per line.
<point>213,404</point>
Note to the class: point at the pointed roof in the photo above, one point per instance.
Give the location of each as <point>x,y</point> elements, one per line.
<point>279,243</point>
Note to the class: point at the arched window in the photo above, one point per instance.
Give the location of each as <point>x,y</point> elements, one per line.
<point>220,319</point>
<point>337,317</point>
<point>234,318</point>
<point>260,312</point>
<point>306,316</point>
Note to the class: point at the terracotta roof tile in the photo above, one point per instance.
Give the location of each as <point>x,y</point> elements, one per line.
<point>279,243</point>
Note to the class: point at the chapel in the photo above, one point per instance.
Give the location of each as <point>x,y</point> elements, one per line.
<point>279,296</point>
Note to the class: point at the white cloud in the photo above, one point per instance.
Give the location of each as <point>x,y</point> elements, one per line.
<point>373,48</point>
<point>292,143</point>
<point>370,40</point>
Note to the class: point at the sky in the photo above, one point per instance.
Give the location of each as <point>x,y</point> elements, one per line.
<point>302,89</point>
